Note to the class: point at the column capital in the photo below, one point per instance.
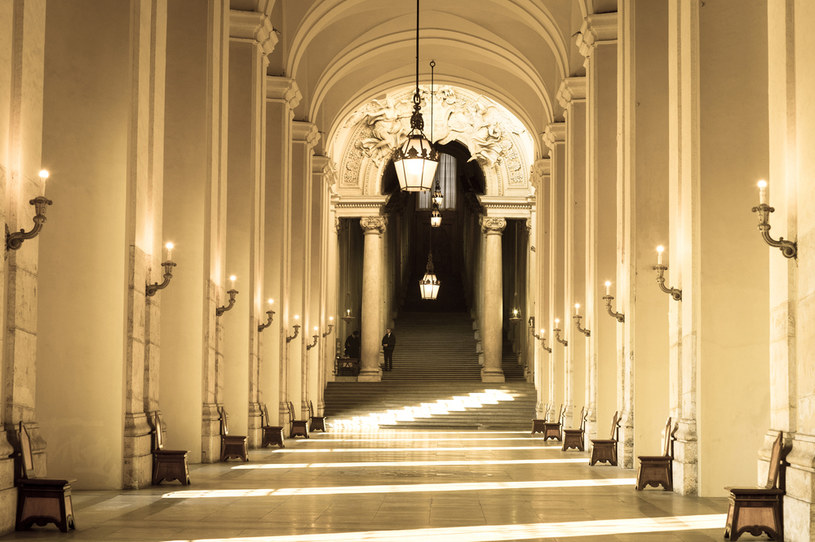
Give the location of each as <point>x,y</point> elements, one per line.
<point>283,89</point>
<point>572,89</point>
<point>305,132</point>
<point>324,166</point>
<point>554,134</point>
<point>373,224</point>
<point>493,225</point>
<point>597,28</point>
<point>539,170</point>
<point>251,25</point>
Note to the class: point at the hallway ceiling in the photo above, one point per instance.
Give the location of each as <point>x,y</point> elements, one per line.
<point>344,53</point>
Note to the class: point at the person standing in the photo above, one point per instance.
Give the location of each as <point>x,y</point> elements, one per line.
<point>352,345</point>
<point>388,344</point>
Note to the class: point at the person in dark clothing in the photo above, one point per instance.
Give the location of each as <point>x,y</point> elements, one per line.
<point>388,344</point>
<point>352,345</point>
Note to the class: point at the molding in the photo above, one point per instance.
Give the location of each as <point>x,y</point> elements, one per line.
<point>324,166</point>
<point>599,28</point>
<point>305,132</point>
<point>506,207</point>
<point>358,206</point>
<point>251,25</point>
<point>572,89</point>
<point>283,89</point>
<point>554,134</point>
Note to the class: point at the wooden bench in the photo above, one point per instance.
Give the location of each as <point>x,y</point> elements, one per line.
<point>753,510</point>
<point>537,423</point>
<point>270,434</point>
<point>606,449</point>
<point>40,500</point>
<point>299,428</point>
<point>553,429</point>
<point>347,366</point>
<point>656,470</point>
<point>232,446</point>
<point>167,464</point>
<point>315,423</point>
<point>575,438</point>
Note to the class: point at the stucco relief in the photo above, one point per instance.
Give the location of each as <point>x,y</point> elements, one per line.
<point>495,138</point>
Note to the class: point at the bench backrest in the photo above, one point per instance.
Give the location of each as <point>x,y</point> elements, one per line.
<point>562,415</point>
<point>546,409</point>
<point>777,461</point>
<point>615,427</point>
<point>264,416</point>
<point>224,422</point>
<point>583,417</point>
<point>26,456</point>
<point>290,407</point>
<point>310,409</point>
<point>158,434</point>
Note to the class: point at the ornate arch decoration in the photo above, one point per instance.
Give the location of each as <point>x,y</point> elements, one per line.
<point>496,139</point>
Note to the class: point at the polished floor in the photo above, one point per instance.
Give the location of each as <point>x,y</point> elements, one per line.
<point>397,485</point>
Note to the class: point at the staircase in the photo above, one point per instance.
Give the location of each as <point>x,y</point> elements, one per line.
<point>435,383</point>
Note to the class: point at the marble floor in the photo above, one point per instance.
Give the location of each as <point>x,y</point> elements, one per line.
<point>397,485</point>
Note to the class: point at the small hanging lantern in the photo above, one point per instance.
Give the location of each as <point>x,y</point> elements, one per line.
<point>435,217</point>
<point>438,197</point>
<point>429,285</point>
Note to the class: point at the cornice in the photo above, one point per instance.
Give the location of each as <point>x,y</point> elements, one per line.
<point>358,206</point>
<point>305,132</point>
<point>572,89</point>
<point>283,89</point>
<point>506,207</point>
<point>555,133</point>
<point>251,25</point>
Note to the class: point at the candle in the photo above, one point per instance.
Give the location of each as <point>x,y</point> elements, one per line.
<point>43,177</point>
<point>347,312</point>
<point>296,318</point>
<point>762,192</point>
<point>660,250</point>
<point>331,319</point>
<point>315,329</point>
<point>515,312</point>
<point>232,279</point>
<point>577,309</point>
<point>608,287</point>
<point>169,246</point>
<point>270,301</point>
<point>557,322</point>
<point>543,331</point>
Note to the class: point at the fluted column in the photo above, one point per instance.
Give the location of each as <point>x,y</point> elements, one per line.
<point>492,307</point>
<point>372,276</point>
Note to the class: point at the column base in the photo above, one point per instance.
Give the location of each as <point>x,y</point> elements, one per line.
<point>138,460</point>
<point>210,434</point>
<point>686,459</point>
<point>625,446</point>
<point>492,375</point>
<point>799,508</point>
<point>374,375</point>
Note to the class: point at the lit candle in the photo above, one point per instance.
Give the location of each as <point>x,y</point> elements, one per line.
<point>232,279</point>
<point>296,318</point>
<point>660,250</point>
<point>543,331</point>
<point>43,177</point>
<point>608,287</point>
<point>315,329</point>
<point>577,309</point>
<point>330,319</point>
<point>169,246</point>
<point>557,322</point>
<point>270,301</point>
<point>347,312</point>
<point>762,192</point>
<point>515,312</point>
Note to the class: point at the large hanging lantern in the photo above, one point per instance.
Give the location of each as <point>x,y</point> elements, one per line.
<point>429,285</point>
<point>416,161</point>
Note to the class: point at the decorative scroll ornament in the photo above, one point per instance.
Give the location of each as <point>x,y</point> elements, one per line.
<point>492,224</point>
<point>371,224</point>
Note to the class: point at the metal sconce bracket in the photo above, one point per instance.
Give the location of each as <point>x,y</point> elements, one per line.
<point>268,322</point>
<point>296,333</point>
<point>220,310</point>
<point>675,293</point>
<point>788,248</point>
<point>330,328</point>
<point>313,343</point>
<point>557,331</point>
<point>168,274</point>
<point>541,338</point>
<point>584,331</point>
<point>618,315</point>
<point>15,240</point>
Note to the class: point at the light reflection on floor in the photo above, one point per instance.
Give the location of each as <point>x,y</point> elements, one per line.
<point>413,449</point>
<point>493,533</point>
<point>462,463</point>
<point>403,488</point>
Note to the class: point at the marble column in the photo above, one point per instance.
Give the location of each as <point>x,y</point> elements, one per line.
<point>492,307</point>
<point>372,276</point>
<point>642,207</point>
<point>572,97</point>
<point>194,175</point>
<point>791,192</point>
<point>555,140</point>
<point>282,96</point>
<point>540,180</point>
<point>597,42</point>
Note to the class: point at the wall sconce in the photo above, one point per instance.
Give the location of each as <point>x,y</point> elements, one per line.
<point>232,293</point>
<point>168,265</point>
<point>660,269</point>
<point>531,324</point>
<point>296,327</point>
<point>330,326</point>
<point>578,318</point>
<point>542,339</point>
<point>608,298</point>
<point>557,331</point>
<point>315,337</point>
<point>269,317</point>
<point>788,248</point>
<point>15,240</point>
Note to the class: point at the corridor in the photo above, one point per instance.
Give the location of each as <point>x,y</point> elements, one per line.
<point>397,485</point>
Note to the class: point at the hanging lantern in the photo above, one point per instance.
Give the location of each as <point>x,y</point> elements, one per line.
<point>416,161</point>
<point>438,197</point>
<point>429,285</point>
<point>435,217</point>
